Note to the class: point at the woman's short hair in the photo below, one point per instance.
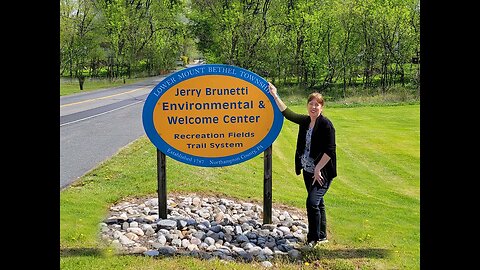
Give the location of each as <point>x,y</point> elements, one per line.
<point>317,96</point>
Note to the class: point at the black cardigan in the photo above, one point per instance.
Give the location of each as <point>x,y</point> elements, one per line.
<point>323,141</point>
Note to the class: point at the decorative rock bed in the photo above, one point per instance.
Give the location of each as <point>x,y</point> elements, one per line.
<point>204,227</point>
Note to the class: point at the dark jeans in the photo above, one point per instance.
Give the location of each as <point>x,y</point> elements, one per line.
<point>317,220</point>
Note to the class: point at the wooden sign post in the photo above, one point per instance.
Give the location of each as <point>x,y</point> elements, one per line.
<point>267,186</point>
<point>162,185</point>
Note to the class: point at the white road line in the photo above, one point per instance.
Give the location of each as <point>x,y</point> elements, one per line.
<point>64,124</point>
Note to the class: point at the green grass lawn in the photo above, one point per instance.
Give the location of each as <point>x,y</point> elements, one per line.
<point>69,87</point>
<point>373,206</point>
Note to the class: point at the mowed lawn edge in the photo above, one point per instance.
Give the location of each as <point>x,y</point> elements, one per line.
<point>373,206</point>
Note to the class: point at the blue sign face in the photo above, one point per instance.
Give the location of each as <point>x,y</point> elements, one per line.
<point>212,115</point>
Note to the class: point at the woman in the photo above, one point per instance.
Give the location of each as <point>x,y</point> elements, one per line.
<point>315,156</point>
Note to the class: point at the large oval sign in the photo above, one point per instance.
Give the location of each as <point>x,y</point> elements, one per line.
<point>212,115</point>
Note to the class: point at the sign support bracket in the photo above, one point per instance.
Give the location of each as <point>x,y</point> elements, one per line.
<point>267,185</point>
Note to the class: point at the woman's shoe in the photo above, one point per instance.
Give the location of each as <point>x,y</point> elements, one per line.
<point>320,242</point>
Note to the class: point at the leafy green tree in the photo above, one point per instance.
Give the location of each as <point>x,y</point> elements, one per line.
<point>314,43</point>
<point>77,38</point>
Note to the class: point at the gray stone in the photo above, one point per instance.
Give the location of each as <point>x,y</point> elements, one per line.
<point>267,264</point>
<point>167,250</point>
<point>242,238</point>
<point>167,224</point>
<point>209,241</point>
<point>162,239</point>
<point>216,228</point>
<point>151,253</point>
<point>294,254</point>
<point>200,235</point>
<point>181,224</point>
<point>177,242</point>
<point>209,228</point>
<point>195,241</point>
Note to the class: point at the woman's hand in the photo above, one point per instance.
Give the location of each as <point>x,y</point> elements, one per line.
<point>272,89</point>
<point>317,173</point>
<point>317,177</point>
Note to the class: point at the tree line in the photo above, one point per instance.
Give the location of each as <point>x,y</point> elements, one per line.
<point>315,43</point>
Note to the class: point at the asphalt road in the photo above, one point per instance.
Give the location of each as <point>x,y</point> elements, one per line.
<point>95,125</point>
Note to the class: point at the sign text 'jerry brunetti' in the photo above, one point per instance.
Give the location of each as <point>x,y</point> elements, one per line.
<point>212,115</point>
